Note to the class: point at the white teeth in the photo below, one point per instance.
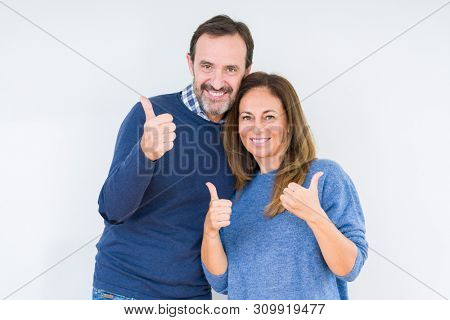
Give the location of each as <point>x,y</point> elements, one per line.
<point>216,94</point>
<point>259,140</point>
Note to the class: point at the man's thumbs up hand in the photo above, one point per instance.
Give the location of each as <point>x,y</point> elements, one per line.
<point>148,108</point>
<point>159,132</point>
<point>219,213</point>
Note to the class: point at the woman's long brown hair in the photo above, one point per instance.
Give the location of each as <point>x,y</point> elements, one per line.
<point>299,146</point>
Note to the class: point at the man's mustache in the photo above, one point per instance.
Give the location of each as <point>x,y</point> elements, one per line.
<point>225,89</point>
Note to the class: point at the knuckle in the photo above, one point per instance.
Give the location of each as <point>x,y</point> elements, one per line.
<point>149,128</point>
<point>165,117</point>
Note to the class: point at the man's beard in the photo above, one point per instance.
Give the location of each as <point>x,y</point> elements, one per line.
<point>211,106</point>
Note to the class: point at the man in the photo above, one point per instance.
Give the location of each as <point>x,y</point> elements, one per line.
<point>154,201</point>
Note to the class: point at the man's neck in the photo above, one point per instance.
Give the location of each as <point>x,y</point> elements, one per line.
<point>214,118</point>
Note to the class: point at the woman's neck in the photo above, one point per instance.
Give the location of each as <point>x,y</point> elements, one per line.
<point>268,164</point>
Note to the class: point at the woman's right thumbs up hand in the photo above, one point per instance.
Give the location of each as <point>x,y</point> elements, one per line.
<point>219,213</point>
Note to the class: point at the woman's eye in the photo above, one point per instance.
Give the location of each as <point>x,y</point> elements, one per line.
<point>245,118</point>
<point>270,117</point>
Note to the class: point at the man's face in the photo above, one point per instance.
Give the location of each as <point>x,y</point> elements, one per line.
<point>218,69</point>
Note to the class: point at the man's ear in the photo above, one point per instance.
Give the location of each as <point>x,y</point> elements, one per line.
<point>247,71</point>
<point>190,64</point>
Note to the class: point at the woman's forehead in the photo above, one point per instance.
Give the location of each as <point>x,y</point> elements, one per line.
<point>260,100</point>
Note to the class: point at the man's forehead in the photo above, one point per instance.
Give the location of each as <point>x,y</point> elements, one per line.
<point>224,50</point>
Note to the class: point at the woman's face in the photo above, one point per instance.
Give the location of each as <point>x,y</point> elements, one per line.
<point>262,125</point>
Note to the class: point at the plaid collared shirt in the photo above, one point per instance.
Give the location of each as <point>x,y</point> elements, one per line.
<point>191,102</point>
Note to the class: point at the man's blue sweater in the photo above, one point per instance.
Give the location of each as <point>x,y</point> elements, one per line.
<point>154,211</point>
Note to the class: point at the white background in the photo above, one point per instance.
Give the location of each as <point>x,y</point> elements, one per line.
<point>385,121</point>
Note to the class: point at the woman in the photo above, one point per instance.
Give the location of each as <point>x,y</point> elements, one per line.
<point>294,228</point>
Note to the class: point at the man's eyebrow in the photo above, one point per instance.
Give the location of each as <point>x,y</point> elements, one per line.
<point>233,65</point>
<point>228,66</point>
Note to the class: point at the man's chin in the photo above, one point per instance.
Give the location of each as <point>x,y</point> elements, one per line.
<point>216,108</point>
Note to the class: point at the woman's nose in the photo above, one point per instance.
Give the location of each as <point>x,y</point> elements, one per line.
<point>258,128</point>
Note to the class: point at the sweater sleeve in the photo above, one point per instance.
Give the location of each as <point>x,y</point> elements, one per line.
<point>218,282</point>
<point>130,172</point>
<point>341,203</point>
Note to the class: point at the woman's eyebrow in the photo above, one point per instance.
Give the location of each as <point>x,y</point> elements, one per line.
<point>270,110</point>
<point>265,111</point>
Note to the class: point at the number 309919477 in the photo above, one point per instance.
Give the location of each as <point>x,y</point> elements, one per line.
<point>295,308</point>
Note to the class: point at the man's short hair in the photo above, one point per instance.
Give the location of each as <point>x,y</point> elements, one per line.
<point>223,25</point>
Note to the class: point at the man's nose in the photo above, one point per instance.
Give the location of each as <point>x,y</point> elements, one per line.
<point>217,80</point>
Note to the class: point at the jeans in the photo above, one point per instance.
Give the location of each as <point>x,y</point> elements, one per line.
<point>99,294</point>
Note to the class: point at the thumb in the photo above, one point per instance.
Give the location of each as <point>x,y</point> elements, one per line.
<point>212,191</point>
<point>315,180</point>
<point>148,108</point>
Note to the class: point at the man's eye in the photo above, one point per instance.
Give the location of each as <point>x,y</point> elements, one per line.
<point>206,66</point>
<point>231,69</point>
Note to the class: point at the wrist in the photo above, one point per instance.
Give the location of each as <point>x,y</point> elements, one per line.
<point>210,233</point>
<point>316,219</point>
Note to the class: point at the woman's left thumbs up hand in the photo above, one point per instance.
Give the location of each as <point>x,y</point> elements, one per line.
<point>304,202</point>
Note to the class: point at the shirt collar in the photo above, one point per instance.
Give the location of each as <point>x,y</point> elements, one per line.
<point>191,102</point>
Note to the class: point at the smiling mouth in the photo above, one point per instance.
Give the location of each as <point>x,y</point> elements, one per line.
<point>259,141</point>
<point>215,94</point>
